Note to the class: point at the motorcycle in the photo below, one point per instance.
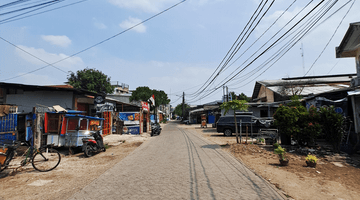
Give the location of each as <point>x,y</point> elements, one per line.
<point>91,146</point>
<point>155,129</point>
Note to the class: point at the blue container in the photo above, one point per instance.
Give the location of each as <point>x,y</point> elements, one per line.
<point>7,138</point>
<point>8,123</point>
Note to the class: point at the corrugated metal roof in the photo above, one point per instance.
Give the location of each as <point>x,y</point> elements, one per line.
<point>307,85</point>
<point>343,79</point>
<point>306,90</point>
<point>350,43</point>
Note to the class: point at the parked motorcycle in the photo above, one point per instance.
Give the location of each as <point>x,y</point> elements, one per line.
<point>155,129</point>
<point>91,146</point>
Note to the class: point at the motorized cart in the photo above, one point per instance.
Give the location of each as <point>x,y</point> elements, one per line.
<point>68,130</point>
<point>203,121</point>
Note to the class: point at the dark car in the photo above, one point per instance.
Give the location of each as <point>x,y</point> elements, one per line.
<point>226,124</point>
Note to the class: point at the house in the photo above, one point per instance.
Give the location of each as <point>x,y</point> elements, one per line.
<point>121,92</point>
<point>26,97</point>
<point>211,110</point>
<point>280,90</point>
<point>40,99</point>
<point>350,47</point>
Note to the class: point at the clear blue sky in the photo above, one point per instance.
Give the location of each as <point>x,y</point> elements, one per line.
<point>176,51</point>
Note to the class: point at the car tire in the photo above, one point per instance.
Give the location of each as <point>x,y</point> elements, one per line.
<point>227,132</point>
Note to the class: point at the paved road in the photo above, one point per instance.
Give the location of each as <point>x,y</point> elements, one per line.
<point>178,164</point>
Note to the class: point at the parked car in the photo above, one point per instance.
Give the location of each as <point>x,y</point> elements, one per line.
<point>226,124</point>
<point>185,121</point>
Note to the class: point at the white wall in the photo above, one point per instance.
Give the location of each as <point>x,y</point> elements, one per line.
<point>28,100</point>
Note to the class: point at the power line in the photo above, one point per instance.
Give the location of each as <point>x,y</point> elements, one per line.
<point>289,46</point>
<point>330,38</point>
<point>29,7</point>
<point>229,49</point>
<point>274,45</point>
<point>101,42</point>
<point>240,43</point>
<point>11,19</point>
<point>32,56</point>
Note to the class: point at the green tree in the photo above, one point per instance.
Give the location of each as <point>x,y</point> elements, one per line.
<point>161,97</point>
<point>92,80</point>
<point>141,94</point>
<point>235,105</point>
<point>242,96</point>
<point>178,109</point>
<point>144,93</point>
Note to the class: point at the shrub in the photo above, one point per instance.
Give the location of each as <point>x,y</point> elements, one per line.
<point>294,120</point>
<point>281,152</point>
<point>309,123</point>
<point>311,158</point>
<point>333,126</point>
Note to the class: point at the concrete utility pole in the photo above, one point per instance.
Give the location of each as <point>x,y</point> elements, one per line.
<point>183,106</point>
<point>227,94</point>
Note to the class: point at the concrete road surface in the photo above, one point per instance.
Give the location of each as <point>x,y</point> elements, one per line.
<point>178,164</point>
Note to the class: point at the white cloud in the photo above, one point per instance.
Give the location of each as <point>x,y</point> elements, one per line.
<point>58,40</point>
<point>48,57</point>
<point>99,24</point>
<point>131,22</point>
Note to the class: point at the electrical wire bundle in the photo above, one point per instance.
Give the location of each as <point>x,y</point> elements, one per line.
<point>21,9</point>
<point>276,46</point>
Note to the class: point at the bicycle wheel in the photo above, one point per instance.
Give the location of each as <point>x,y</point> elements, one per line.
<point>46,160</point>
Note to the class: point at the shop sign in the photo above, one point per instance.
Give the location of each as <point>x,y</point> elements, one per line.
<point>129,116</point>
<point>145,106</point>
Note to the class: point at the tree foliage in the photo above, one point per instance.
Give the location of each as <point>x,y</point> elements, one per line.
<point>243,96</point>
<point>92,80</point>
<point>144,93</point>
<point>304,126</point>
<point>333,126</point>
<point>141,94</point>
<point>235,105</point>
<point>178,109</point>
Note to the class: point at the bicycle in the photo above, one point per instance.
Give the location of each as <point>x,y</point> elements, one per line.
<point>43,159</point>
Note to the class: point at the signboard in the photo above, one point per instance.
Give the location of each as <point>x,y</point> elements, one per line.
<point>99,99</point>
<point>107,106</point>
<point>145,106</point>
<point>132,130</point>
<point>130,118</point>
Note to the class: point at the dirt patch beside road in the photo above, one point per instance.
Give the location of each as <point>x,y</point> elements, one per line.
<point>331,179</point>
<point>73,173</point>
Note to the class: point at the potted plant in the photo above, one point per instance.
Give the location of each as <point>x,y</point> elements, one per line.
<point>311,160</point>
<point>260,140</point>
<point>281,152</point>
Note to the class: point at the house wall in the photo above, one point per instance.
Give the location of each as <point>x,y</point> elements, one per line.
<point>125,99</point>
<point>265,92</point>
<point>29,99</point>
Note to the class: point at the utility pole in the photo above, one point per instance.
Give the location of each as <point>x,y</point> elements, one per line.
<point>302,56</point>
<point>183,106</point>
<point>227,94</point>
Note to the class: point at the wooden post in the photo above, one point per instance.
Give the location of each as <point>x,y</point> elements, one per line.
<point>247,128</point>
<point>36,130</point>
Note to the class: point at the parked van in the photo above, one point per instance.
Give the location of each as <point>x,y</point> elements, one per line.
<point>226,124</point>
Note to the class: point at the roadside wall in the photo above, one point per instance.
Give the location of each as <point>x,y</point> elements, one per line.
<point>27,100</point>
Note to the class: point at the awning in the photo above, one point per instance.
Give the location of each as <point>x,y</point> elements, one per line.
<point>197,110</point>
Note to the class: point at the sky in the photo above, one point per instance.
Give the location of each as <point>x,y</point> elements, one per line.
<point>177,50</point>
